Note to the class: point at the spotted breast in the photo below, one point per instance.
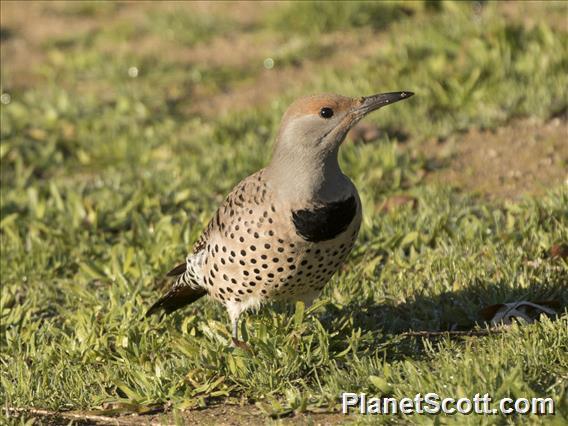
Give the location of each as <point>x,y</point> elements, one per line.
<point>274,253</point>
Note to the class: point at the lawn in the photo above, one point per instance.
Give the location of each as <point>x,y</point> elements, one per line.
<point>124,125</point>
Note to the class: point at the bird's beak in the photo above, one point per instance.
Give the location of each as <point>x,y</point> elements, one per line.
<point>374,102</point>
<point>362,107</point>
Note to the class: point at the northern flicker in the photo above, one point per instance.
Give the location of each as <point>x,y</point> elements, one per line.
<point>282,232</point>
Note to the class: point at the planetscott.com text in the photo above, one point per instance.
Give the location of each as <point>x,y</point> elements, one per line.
<point>432,403</point>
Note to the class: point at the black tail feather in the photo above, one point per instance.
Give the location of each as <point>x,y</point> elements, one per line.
<point>176,298</point>
<point>178,270</point>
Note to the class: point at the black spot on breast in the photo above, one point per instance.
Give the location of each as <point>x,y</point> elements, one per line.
<point>325,222</point>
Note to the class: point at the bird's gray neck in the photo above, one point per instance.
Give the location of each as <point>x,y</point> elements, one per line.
<point>307,177</point>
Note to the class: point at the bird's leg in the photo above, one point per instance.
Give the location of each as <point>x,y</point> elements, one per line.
<point>308,300</point>
<point>308,303</point>
<point>235,342</point>
<point>235,328</point>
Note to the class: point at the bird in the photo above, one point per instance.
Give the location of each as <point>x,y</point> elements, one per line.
<point>282,232</point>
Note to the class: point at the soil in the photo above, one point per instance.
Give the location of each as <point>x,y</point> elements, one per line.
<point>226,415</point>
<point>527,157</point>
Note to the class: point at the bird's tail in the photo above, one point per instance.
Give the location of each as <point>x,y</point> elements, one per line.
<point>185,290</point>
<point>177,297</point>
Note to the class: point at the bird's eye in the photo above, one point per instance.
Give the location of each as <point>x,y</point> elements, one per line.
<point>326,112</point>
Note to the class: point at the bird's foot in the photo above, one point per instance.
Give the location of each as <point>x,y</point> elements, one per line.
<point>235,343</point>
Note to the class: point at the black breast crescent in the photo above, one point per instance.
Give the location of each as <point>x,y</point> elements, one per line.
<point>324,222</point>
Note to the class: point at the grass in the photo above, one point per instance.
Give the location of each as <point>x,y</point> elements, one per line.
<point>106,182</point>
<point>315,18</point>
<point>188,28</point>
<point>481,71</point>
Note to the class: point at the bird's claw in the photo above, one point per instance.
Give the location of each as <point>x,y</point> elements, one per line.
<point>235,343</point>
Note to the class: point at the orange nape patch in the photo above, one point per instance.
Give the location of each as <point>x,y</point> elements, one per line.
<point>313,104</point>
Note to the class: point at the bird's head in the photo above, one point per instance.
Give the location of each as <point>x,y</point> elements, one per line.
<point>318,124</point>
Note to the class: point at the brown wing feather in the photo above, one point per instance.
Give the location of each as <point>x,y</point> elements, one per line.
<point>204,237</point>
<point>179,296</point>
<point>232,200</point>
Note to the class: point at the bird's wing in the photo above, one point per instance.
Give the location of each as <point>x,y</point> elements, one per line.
<point>200,243</point>
<point>234,201</point>
<point>187,289</point>
<point>197,247</point>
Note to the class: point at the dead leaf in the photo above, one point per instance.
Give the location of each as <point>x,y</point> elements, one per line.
<point>489,312</point>
<point>504,313</point>
<point>559,251</point>
<point>68,130</point>
<point>533,263</point>
<point>37,134</point>
<point>396,201</point>
<point>123,408</point>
